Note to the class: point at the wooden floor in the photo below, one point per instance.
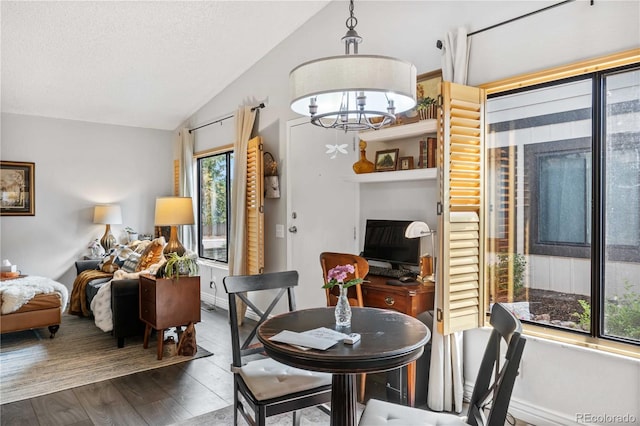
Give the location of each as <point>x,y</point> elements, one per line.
<point>156,397</point>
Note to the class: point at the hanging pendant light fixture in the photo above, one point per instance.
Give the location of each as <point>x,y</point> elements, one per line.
<point>351,91</point>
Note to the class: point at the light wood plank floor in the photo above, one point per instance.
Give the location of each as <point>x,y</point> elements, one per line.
<point>157,397</point>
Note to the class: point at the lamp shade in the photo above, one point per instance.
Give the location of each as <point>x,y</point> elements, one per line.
<point>378,78</point>
<point>172,211</point>
<point>110,214</point>
<point>417,229</point>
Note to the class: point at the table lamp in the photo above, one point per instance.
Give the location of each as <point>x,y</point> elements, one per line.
<point>108,214</point>
<point>419,229</point>
<point>174,211</point>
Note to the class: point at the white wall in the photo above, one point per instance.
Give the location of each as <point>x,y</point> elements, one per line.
<point>409,30</point>
<point>77,165</point>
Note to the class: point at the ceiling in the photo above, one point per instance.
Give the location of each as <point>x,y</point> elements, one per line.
<point>142,64</point>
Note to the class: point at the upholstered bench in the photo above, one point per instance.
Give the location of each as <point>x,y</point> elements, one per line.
<point>46,302</point>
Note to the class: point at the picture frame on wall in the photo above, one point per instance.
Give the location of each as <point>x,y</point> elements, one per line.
<point>17,188</point>
<point>386,160</point>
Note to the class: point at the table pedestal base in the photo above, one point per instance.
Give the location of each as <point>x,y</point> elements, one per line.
<point>343,400</point>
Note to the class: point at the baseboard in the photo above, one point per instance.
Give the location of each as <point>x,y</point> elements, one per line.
<point>530,413</point>
<point>223,303</point>
<point>537,415</point>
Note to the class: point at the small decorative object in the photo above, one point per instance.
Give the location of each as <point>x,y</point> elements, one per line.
<point>169,347</point>
<point>336,149</point>
<point>427,108</point>
<point>187,345</point>
<point>96,251</point>
<point>387,160</point>
<point>17,188</point>
<point>176,266</point>
<point>271,178</point>
<point>363,165</point>
<point>336,276</point>
<point>131,234</point>
<point>406,163</point>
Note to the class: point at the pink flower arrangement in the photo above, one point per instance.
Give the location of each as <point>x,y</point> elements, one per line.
<point>338,274</point>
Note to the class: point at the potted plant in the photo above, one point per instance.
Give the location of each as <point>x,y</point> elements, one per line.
<point>426,108</point>
<point>177,266</point>
<point>133,235</point>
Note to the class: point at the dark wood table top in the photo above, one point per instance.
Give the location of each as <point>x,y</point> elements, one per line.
<point>389,340</point>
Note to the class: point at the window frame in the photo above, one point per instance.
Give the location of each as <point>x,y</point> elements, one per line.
<point>228,153</point>
<point>602,66</point>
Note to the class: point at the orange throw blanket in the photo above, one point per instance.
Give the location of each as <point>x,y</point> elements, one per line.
<point>78,304</point>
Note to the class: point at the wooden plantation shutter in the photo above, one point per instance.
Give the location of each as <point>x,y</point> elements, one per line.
<point>255,207</point>
<point>460,222</point>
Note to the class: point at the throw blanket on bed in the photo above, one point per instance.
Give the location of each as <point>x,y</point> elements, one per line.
<point>78,304</point>
<point>18,292</point>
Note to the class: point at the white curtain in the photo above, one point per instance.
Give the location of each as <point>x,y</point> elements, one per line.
<point>446,381</point>
<point>187,232</point>
<point>238,238</point>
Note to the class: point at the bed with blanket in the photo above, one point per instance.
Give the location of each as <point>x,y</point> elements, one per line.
<point>32,302</point>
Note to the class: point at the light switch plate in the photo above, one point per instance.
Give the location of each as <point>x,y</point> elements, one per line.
<point>279,231</point>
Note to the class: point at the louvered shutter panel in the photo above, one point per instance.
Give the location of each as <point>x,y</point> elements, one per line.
<point>255,207</point>
<point>460,223</point>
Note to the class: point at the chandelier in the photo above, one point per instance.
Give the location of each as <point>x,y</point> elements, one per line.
<point>353,92</point>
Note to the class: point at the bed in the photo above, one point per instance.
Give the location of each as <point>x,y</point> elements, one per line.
<point>32,302</point>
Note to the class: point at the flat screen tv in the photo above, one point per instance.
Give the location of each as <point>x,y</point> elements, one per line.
<point>384,241</point>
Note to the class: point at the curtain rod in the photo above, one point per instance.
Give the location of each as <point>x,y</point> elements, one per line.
<point>220,120</point>
<point>439,44</point>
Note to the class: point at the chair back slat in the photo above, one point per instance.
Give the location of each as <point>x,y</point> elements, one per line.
<point>237,288</point>
<point>507,328</point>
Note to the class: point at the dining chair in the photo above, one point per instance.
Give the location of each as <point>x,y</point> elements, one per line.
<point>496,395</point>
<point>268,387</point>
<point>329,260</point>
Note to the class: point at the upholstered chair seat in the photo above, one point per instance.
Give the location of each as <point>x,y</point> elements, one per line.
<point>268,378</point>
<point>379,413</point>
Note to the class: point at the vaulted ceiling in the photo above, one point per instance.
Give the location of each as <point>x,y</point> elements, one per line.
<point>143,64</point>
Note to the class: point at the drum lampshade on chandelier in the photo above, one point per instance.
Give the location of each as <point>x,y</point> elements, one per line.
<point>351,91</point>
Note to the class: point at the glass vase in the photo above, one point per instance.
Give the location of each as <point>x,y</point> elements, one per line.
<point>343,310</point>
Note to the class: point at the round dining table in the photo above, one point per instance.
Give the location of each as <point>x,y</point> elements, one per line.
<point>389,340</point>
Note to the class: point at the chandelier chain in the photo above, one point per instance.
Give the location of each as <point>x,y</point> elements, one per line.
<point>352,21</point>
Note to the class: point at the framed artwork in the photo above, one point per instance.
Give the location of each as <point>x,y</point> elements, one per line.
<point>406,163</point>
<point>387,160</point>
<point>17,188</point>
<point>428,85</point>
<point>427,91</point>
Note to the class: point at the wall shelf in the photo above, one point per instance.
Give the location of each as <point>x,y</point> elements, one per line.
<point>399,132</point>
<point>394,176</point>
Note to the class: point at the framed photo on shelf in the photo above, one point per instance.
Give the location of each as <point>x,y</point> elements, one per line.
<point>427,92</point>
<point>387,160</point>
<point>406,163</point>
<point>17,188</point>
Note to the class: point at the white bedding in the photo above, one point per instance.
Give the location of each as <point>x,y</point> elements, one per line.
<point>18,292</point>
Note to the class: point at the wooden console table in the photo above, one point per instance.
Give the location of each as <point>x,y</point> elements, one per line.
<point>168,303</point>
<point>411,300</point>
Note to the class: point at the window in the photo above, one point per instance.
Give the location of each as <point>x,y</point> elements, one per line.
<point>214,201</point>
<point>563,193</point>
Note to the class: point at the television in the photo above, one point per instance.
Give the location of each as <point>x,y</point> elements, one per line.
<point>384,241</point>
